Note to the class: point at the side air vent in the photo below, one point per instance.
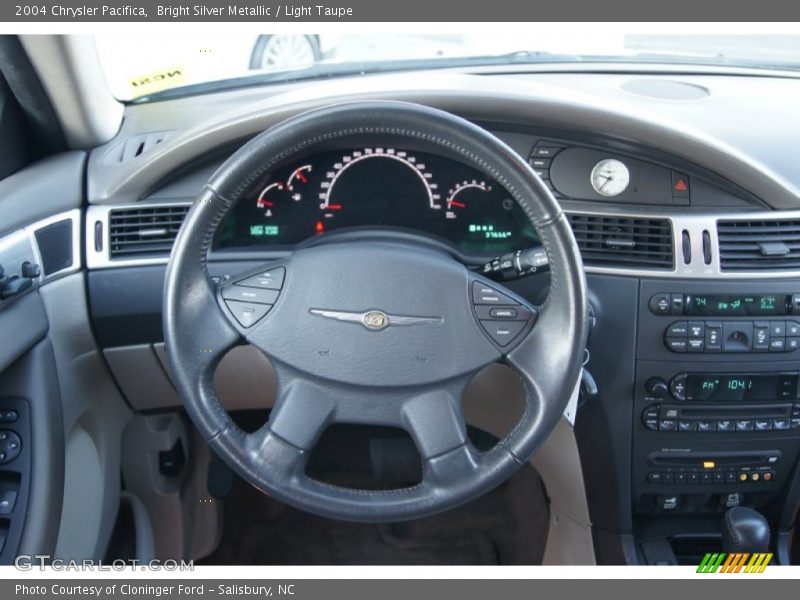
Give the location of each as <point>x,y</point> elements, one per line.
<point>144,232</point>
<point>607,241</point>
<point>135,146</point>
<point>759,245</point>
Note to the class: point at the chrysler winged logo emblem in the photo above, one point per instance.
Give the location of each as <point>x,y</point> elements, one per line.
<point>375,320</point>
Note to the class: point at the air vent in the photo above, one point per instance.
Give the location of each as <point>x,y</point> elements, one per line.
<point>759,245</point>
<point>135,146</point>
<point>137,232</point>
<point>626,242</point>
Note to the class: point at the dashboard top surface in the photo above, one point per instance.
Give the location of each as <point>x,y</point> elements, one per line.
<point>751,151</point>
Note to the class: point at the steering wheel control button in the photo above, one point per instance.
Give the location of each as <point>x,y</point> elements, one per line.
<point>10,446</point>
<point>269,280</point>
<point>483,294</point>
<point>503,332</point>
<point>247,294</point>
<point>247,314</point>
<point>503,313</point>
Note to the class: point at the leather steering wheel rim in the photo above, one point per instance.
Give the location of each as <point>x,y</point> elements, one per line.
<point>369,377</point>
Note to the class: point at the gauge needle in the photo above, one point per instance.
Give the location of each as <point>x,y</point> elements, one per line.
<point>605,183</point>
<point>457,204</point>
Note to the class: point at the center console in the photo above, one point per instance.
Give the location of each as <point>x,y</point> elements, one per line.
<point>716,399</point>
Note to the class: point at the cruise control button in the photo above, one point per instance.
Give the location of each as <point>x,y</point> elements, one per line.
<point>269,280</point>
<point>505,313</point>
<point>503,332</point>
<point>249,294</point>
<point>483,294</point>
<point>246,313</point>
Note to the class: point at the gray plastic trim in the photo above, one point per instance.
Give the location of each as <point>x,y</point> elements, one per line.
<point>695,224</point>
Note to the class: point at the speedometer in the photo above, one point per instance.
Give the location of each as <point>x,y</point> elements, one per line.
<point>379,184</point>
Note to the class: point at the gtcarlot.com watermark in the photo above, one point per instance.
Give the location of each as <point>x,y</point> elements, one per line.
<point>28,562</point>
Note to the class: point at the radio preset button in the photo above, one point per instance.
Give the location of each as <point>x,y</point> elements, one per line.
<point>781,424</point>
<point>763,424</point>
<point>725,425</point>
<point>744,425</point>
<point>687,425</point>
<point>666,425</point>
<point>706,426</point>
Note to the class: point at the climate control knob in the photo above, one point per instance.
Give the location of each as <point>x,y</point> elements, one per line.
<point>656,387</point>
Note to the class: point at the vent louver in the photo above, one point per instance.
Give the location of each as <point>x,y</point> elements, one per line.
<point>144,231</point>
<point>626,242</point>
<point>759,245</point>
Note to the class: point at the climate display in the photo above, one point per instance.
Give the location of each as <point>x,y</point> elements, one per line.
<point>749,305</point>
<point>383,188</point>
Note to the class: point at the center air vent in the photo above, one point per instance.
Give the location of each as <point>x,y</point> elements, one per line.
<point>606,241</point>
<point>759,245</point>
<point>137,232</point>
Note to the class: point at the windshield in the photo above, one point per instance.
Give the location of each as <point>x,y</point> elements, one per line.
<point>138,67</point>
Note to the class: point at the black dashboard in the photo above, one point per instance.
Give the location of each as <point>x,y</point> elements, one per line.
<point>378,187</point>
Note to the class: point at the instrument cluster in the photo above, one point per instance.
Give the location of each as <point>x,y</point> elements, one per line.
<point>378,187</point>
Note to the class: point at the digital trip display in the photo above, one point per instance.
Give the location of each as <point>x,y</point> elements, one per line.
<point>735,387</point>
<point>719,305</point>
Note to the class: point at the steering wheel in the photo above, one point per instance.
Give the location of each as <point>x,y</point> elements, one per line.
<point>374,331</point>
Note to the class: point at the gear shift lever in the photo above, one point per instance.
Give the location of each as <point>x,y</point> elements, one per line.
<point>744,530</point>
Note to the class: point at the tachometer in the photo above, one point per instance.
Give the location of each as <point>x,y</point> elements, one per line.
<point>380,183</point>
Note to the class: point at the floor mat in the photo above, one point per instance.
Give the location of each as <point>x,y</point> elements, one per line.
<point>507,526</point>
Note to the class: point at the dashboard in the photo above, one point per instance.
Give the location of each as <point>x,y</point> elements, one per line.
<point>378,187</point>
<point>685,212</point>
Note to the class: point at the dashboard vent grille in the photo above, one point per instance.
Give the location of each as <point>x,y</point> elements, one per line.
<point>607,241</point>
<point>759,245</point>
<point>144,231</point>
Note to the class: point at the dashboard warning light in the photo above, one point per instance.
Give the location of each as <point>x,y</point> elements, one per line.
<point>319,227</point>
<point>709,464</point>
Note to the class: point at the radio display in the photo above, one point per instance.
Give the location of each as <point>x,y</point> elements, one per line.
<point>741,387</point>
<point>719,305</point>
